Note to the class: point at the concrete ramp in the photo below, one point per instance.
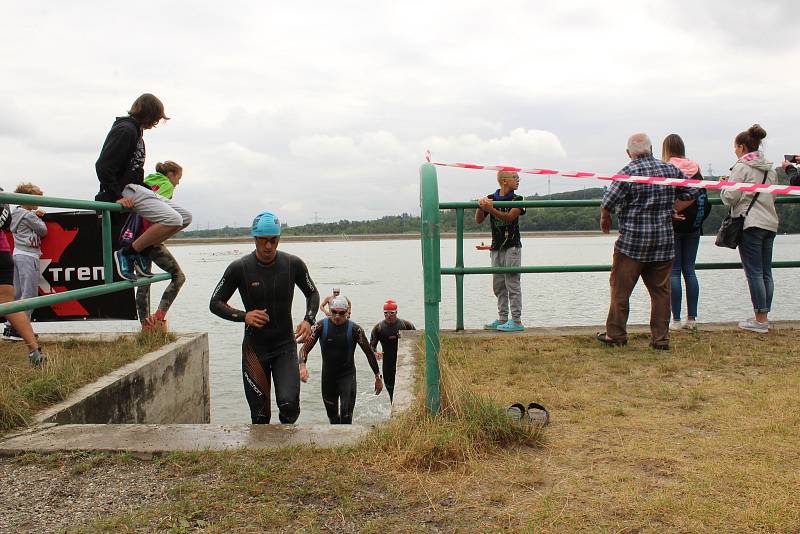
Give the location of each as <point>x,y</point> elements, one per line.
<point>157,439</point>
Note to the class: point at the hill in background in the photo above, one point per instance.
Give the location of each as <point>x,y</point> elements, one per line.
<point>535,220</point>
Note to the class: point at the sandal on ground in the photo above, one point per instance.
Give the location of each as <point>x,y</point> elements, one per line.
<point>603,338</point>
<point>515,412</point>
<point>538,414</point>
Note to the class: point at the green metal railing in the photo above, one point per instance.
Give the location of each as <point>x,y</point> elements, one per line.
<point>432,269</point>
<point>108,286</point>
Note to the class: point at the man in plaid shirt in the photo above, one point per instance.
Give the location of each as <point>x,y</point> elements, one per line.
<point>646,244</point>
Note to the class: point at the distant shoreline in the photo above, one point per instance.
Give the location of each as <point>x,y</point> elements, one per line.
<point>486,236</point>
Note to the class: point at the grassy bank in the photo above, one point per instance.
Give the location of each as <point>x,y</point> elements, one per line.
<point>700,439</point>
<point>71,364</point>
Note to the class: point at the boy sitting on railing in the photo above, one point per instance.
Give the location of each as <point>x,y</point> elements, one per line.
<point>120,169</point>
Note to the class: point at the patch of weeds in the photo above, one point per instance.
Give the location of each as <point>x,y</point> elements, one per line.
<point>80,468</point>
<point>694,399</point>
<point>617,411</point>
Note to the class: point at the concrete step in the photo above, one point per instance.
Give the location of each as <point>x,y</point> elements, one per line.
<point>157,439</point>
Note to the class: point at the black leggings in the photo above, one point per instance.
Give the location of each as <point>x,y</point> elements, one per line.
<point>339,396</point>
<point>257,366</point>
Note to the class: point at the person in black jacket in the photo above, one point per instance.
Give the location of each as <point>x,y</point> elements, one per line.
<point>791,171</point>
<point>120,169</point>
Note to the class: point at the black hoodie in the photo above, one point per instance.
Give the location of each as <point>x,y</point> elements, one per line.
<point>121,160</point>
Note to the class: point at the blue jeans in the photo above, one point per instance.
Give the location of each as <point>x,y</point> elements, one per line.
<point>756,253</point>
<point>685,255</point>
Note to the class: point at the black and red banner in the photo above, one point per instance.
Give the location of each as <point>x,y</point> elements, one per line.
<point>72,258</point>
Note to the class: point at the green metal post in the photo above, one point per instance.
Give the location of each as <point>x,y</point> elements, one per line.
<point>77,294</point>
<point>459,264</point>
<point>432,280</point>
<point>108,269</point>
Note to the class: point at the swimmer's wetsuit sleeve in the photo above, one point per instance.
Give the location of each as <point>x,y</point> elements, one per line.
<point>316,331</point>
<point>224,291</point>
<point>373,337</point>
<point>361,338</point>
<point>303,280</point>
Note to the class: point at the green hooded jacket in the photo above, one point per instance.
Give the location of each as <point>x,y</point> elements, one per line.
<point>160,184</point>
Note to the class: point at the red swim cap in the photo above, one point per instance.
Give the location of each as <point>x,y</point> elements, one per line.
<point>390,305</point>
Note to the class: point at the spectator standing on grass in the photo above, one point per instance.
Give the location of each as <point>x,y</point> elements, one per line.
<point>163,182</point>
<point>120,169</point>
<point>688,230</point>
<point>19,320</point>
<point>760,223</point>
<point>28,229</point>
<point>506,251</point>
<point>646,244</point>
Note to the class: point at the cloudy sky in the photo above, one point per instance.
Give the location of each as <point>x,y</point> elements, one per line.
<point>325,109</point>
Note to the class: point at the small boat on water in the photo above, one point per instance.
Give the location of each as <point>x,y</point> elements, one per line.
<point>483,247</point>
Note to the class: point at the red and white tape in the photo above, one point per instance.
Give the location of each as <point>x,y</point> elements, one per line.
<point>773,189</point>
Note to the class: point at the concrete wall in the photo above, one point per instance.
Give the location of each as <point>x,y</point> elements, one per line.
<point>169,385</point>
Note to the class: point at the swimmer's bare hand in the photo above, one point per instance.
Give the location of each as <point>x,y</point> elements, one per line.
<point>125,202</point>
<point>379,355</point>
<point>256,318</point>
<point>302,332</point>
<point>378,385</point>
<point>303,372</point>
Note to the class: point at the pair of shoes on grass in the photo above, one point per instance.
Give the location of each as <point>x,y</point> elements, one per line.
<point>535,413</point>
<point>131,266</point>
<point>504,326</point>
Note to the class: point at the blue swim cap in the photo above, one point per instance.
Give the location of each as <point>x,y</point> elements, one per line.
<point>266,224</point>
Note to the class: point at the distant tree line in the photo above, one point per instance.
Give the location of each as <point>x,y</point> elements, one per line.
<point>535,220</point>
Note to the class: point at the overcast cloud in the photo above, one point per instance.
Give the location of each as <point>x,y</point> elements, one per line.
<point>325,109</point>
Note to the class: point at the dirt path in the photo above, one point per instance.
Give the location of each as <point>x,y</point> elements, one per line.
<point>51,497</point>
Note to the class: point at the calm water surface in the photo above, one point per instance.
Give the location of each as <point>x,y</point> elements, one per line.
<point>369,272</point>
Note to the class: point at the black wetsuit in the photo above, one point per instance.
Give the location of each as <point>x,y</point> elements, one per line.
<point>272,348</point>
<point>339,367</point>
<point>387,334</point>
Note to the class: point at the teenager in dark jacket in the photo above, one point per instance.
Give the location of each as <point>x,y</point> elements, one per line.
<point>120,169</point>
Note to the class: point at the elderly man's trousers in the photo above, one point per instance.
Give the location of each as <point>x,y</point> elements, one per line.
<point>625,272</point>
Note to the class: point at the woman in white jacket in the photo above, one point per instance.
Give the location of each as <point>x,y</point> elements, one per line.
<point>760,224</point>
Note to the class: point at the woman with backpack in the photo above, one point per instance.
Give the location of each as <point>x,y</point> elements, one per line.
<point>688,230</point>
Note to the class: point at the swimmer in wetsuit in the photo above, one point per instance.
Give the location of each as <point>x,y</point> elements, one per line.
<point>265,280</point>
<point>324,307</point>
<point>387,332</point>
<point>338,337</point>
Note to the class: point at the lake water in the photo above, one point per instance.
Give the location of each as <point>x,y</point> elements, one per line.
<point>369,272</point>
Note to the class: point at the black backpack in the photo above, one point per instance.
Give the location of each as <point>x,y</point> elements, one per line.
<point>695,214</point>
